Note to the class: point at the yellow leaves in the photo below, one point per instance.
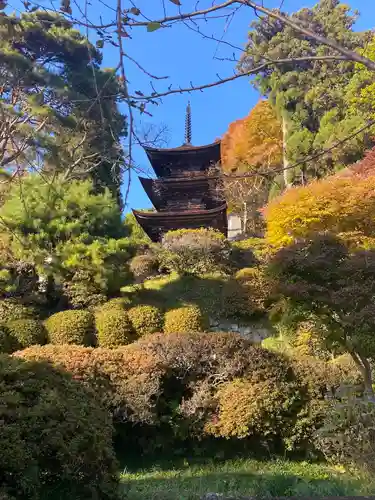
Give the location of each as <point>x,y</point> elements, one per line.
<point>336,204</point>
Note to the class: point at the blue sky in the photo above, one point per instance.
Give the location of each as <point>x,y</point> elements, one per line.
<point>185,56</point>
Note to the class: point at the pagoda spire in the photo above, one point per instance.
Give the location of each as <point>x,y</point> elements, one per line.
<point>188,125</point>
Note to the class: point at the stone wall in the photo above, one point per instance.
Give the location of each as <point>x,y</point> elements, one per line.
<point>255,331</point>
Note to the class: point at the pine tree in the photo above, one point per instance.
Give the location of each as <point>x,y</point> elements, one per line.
<point>58,109</point>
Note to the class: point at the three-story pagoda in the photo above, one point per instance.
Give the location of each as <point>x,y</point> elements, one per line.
<point>185,194</point>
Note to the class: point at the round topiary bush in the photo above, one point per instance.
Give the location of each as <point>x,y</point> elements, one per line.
<point>121,303</point>
<point>143,266</point>
<point>54,435</point>
<point>184,320</point>
<point>113,328</point>
<point>71,327</point>
<point>28,332</point>
<point>11,310</point>
<point>146,319</point>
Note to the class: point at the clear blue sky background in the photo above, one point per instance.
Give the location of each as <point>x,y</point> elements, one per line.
<point>185,56</point>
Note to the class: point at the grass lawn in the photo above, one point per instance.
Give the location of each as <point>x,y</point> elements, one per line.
<point>243,478</point>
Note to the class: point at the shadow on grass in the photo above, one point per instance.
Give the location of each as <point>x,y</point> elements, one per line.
<point>193,484</point>
<point>213,294</point>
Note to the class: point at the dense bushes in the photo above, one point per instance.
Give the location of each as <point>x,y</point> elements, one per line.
<point>146,319</point>
<point>11,310</point>
<point>126,380</point>
<point>196,385</point>
<point>195,251</point>
<point>27,332</point>
<point>54,436</point>
<point>262,408</point>
<point>143,266</point>
<point>113,327</point>
<point>7,343</point>
<point>71,327</point>
<point>185,319</point>
<point>119,303</point>
<point>348,434</point>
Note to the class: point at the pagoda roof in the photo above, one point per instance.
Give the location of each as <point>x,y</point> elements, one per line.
<point>185,149</point>
<point>158,157</point>
<point>157,223</point>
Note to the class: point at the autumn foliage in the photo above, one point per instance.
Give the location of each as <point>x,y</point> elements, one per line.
<point>342,203</point>
<point>255,140</point>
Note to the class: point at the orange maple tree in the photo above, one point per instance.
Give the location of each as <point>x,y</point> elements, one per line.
<point>251,144</point>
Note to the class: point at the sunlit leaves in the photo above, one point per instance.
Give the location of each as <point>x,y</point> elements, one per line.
<point>153,26</point>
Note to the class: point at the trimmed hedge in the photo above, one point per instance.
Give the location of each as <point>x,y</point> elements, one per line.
<point>113,327</point>
<point>27,332</point>
<point>168,388</point>
<point>121,303</point>
<point>184,320</point>
<point>126,380</point>
<point>146,319</point>
<point>11,310</point>
<point>54,435</point>
<point>71,327</point>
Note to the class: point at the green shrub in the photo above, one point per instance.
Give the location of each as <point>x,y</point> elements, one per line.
<point>71,327</point>
<point>113,328</point>
<point>258,286</point>
<point>236,301</point>
<point>82,292</point>
<point>259,248</point>
<point>27,332</point>
<point>195,251</point>
<point>121,303</point>
<point>11,310</point>
<point>54,435</point>
<point>249,409</point>
<point>8,343</point>
<point>143,266</point>
<point>146,319</point>
<point>347,437</point>
<point>184,320</point>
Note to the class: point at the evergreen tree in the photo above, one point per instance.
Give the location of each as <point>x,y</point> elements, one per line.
<point>310,97</point>
<point>58,109</point>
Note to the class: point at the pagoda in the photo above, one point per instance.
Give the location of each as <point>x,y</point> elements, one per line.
<point>185,192</point>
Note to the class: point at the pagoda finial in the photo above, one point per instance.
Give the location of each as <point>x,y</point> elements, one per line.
<point>188,124</point>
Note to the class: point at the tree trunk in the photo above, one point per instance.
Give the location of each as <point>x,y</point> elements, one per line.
<point>367,377</point>
<point>365,369</point>
<point>244,218</point>
<point>286,164</point>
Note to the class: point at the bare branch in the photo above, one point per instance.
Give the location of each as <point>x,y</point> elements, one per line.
<point>253,71</point>
<point>349,54</point>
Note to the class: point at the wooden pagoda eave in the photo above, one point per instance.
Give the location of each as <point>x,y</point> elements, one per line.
<point>203,155</point>
<point>156,223</point>
<point>183,214</point>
